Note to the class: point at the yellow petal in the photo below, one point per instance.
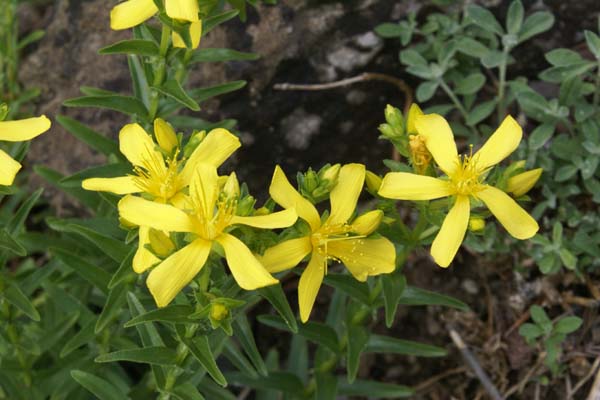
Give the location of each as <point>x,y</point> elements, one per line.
<point>231,186</point>
<point>407,186</point>
<point>137,145</point>
<point>118,185</point>
<point>439,140</point>
<point>365,257</point>
<point>163,217</point>
<point>216,147</point>
<point>500,145</point>
<point>131,13</point>
<point>373,181</point>
<point>284,194</point>
<point>195,34</point>
<point>413,113</point>
<point>517,221</point>
<point>367,223</point>
<point>345,194</point>
<point>309,285</point>
<point>452,232</point>
<point>522,183</point>
<point>186,10</point>
<point>204,189</point>
<point>247,271</point>
<point>280,219</point>
<point>286,255</point>
<point>165,135</point>
<point>23,129</point>
<point>8,169</point>
<point>143,258</point>
<point>169,277</point>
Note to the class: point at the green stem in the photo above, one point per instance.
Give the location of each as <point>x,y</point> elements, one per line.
<point>182,352</point>
<point>160,72</point>
<point>182,69</point>
<point>502,84</point>
<point>454,99</point>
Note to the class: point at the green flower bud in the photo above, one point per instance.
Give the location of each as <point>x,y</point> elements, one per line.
<point>195,140</point>
<point>3,111</point>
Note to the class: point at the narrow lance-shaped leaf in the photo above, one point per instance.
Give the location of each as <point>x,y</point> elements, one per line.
<point>244,334</point>
<point>415,296</point>
<point>200,349</point>
<point>173,89</point>
<point>92,138</point>
<point>134,46</point>
<point>156,355</point>
<point>13,294</point>
<point>275,295</point>
<point>99,387</point>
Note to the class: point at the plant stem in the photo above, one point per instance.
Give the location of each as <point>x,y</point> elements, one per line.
<point>454,99</point>
<point>160,72</point>
<point>502,84</point>
<point>182,69</point>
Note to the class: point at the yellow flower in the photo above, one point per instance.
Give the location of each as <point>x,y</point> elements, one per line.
<point>18,131</point>
<point>522,183</point>
<point>413,113</point>
<point>420,157</point>
<point>466,176</point>
<point>211,215</point>
<point>134,12</point>
<point>335,239</point>
<point>162,179</point>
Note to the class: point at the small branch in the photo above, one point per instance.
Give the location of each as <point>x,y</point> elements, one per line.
<point>472,362</point>
<point>595,390</point>
<point>423,386</point>
<point>521,385</point>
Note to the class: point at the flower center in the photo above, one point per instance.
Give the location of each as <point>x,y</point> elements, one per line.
<point>467,178</point>
<point>158,177</point>
<point>334,233</point>
<point>214,224</point>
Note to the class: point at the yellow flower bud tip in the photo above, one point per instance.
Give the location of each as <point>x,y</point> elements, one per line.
<point>522,183</point>
<point>218,311</point>
<point>330,173</point>
<point>413,113</point>
<point>231,188</point>
<point>262,211</point>
<point>165,135</point>
<point>393,116</point>
<point>476,224</point>
<point>373,181</point>
<point>161,244</point>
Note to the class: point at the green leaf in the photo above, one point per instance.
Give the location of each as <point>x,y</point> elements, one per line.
<point>84,336</point>
<point>565,72</point>
<point>514,17</point>
<point>88,271</point>
<point>412,57</point>
<point>17,221</point>
<point>102,389</point>
<point>593,43</point>
<point>275,295</point>
<point>102,171</point>
<point>359,336</point>
<point>200,349</point>
<point>375,390</point>
<point>125,271</point>
<point>237,358</point>
<point>393,286</point>
<point>389,30</point>
<point>173,89</point>
<point>565,173</point>
<point>541,135</point>
<point>349,285</point>
<point>210,23</point>
<point>149,336</point>
<point>480,112</point>
<point>112,308</point>
<point>568,259</point>
<point>470,84</point>
<point>471,47</point>
<point>124,104</point>
<point>186,391</point>
<point>13,294</point>
<point>315,332</point>
<point>173,313</point>
<point>420,297</point>
<point>134,46</point>
<point>31,38</point>
<point>9,243</point>
<point>568,325</point>
<point>540,317</point>
<point>535,24</point>
<point>530,332</point>
<point>156,355</point>
<point>214,391</point>
<point>281,381</point>
<point>426,90</point>
<point>206,93</point>
<point>221,55</point>
<point>386,344</point>
<point>90,137</point>
<point>563,57</point>
<point>139,81</point>
<point>245,337</point>
<point>326,386</point>
<point>484,19</point>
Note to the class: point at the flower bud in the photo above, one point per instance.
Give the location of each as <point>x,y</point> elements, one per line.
<point>3,111</point>
<point>165,135</point>
<point>218,312</point>
<point>330,173</point>
<point>389,132</point>
<point>413,113</point>
<point>161,243</point>
<point>245,206</point>
<point>476,224</point>
<point>394,117</point>
<point>522,183</point>
<point>195,140</point>
<point>373,181</point>
<point>311,181</point>
<point>231,188</point>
